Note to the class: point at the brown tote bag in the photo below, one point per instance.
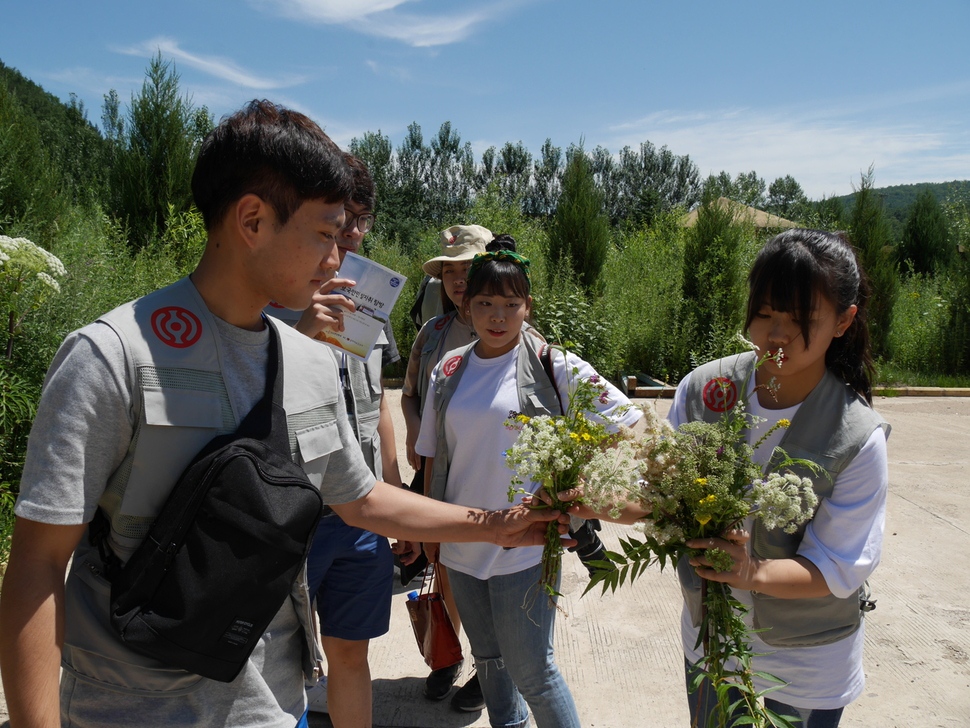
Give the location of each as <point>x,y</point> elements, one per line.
<point>432,626</point>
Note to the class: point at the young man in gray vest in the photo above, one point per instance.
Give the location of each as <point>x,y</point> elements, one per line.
<point>129,401</point>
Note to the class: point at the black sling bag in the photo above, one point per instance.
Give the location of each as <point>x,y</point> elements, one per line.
<point>224,551</point>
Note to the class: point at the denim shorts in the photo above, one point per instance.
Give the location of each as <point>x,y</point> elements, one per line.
<point>350,572</point>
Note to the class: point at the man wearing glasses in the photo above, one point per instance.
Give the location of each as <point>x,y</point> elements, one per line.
<point>349,569</point>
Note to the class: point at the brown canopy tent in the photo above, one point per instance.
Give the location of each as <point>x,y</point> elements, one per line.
<point>743,213</point>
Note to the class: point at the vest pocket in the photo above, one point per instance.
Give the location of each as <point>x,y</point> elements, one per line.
<point>94,653</point>
<point>315,445</point>
<point>178,424</point>
<point>804,622</point>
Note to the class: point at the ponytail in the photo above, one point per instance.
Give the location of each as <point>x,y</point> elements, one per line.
<point>849,356</point>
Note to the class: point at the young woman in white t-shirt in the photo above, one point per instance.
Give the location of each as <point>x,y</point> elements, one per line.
<point>807,303</point>
<point>512,644</point>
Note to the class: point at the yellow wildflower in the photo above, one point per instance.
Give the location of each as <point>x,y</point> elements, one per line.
<point>703,518</point>
<point>784,422</point>
<point>701,481</point>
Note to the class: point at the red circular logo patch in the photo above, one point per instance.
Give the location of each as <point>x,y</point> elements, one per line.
<point>720,394</point>
<point>177,327</point>
<point>451,365</point>
<point>441,324</point>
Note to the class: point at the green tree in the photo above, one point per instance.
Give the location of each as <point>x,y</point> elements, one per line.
<point>579,235</point>
<point>160,141</point>
<point>31,198</point>
<point>747,188</point>
<point>546,181</point>
<point>825,214</point>
<point>513,169</point>
<point>870,233</point>
<point>956,343</point>
<point>713,282</point>
<point>451,172</point>
<point>786,197</point>
<point>926,240</point>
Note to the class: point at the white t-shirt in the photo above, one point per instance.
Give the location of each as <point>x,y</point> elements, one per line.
<point>844,540</point>
<point>477,440</point>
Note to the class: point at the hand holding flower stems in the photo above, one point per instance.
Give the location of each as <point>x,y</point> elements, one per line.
<point>560,452</point>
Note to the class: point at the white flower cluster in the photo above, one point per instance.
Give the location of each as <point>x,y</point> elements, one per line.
<point>661,534</point>
<point>609,475</point>
<point>783,501</point>
<point>538,451</point>
<point>21,258</point>
<point>656,461</point>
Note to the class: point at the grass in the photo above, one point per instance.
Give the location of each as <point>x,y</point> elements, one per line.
<point>891,375</point>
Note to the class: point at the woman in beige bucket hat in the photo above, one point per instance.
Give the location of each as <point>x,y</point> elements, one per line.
<point>459,244</point>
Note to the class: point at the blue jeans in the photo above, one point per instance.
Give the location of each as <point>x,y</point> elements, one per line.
<point>703,700</point>
<point>512,647</point>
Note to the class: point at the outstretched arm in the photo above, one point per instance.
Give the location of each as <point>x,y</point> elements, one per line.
<point>32,620</point>
<point>399,513</point>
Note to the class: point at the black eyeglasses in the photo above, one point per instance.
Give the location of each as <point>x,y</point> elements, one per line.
<point>364,221</point>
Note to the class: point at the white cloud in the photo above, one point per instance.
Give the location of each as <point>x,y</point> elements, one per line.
<point>399,73</point>
<point>826,151</point>
<point>385,19</point>
<point>86,81</point>
<point>331,11</point>
<point>215,66</point>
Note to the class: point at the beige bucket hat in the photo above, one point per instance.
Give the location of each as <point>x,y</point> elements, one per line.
<point>459,243</point>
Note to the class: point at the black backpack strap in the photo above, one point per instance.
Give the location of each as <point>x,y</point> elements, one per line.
<point>266,421</point>
<point>545,356</point>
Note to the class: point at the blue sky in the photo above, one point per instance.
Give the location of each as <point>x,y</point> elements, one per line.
<point>819,90</point>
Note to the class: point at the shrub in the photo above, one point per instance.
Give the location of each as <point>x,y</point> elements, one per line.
<point>579,235</point>
<point>920,325</point>
<point>870,233</point>
<point>642,298</point>
<point>565,314</point>
<point>717,254</point>
<point>926,243</point>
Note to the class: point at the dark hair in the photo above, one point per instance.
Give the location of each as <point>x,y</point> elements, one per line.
<point>502,241</point>
<point>278,154</point>
<point>796,267</point>
<point>364,193</point>
<point>498,278</point>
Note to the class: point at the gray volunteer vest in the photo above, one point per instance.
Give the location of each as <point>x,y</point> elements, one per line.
<point>830,428</point>
<point>180,402</point>
<point>437,331</point>
<point>537,395</point>
<point>364,380</point>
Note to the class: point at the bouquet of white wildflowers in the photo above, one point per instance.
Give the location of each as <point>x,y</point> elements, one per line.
<point>560,451</point>
<point>700,481</point>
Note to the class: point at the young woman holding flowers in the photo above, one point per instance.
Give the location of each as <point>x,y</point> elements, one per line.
<point>807,305</point>
<point>509,622</point>
<point>805,389</point>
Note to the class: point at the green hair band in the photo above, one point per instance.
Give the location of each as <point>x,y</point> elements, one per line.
<point>504,255</point>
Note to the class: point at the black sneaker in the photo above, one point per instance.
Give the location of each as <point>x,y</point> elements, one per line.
<point>440,682</point>
<point>469,697</point>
